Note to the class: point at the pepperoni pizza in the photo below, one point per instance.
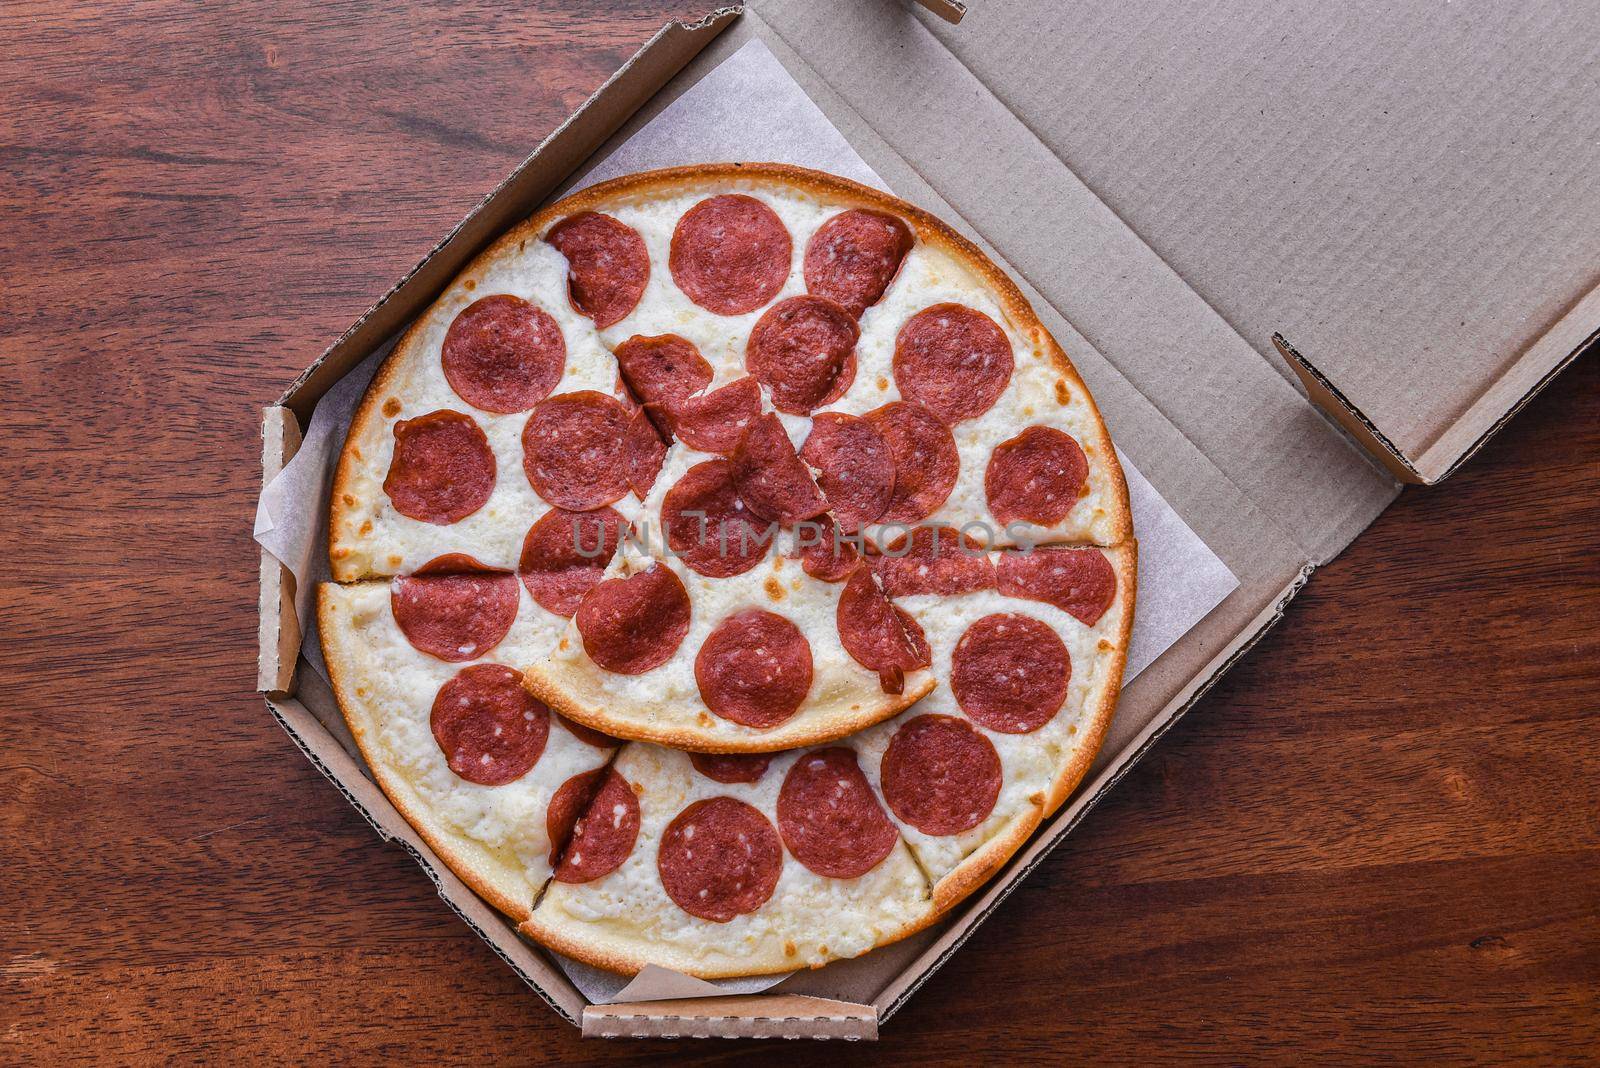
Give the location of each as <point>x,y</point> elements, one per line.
<point>776,477</point>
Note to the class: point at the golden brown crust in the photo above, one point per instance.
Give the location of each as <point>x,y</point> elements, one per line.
<point>977,868</point>
<point>491,877</point>
<point>575,694</point>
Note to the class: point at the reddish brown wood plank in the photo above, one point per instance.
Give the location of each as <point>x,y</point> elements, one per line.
<point>1376,838</point>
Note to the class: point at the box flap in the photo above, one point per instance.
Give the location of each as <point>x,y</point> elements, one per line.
<point>279,632</point>
<point>1409,193</point>
<point>906,91</point>
<point>750,1016</point>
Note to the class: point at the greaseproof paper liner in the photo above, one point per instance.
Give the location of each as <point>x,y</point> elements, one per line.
<point>1180,578</point>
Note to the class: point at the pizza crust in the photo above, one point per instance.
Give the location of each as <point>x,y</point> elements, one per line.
<point>551,912</point>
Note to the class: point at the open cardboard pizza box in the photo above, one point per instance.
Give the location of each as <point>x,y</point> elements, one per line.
<point>1300,255</point>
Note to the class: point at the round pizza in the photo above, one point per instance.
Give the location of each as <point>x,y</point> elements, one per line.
<point>730,572</point>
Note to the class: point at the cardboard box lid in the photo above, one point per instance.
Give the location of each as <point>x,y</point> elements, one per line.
<point>1408,193</point>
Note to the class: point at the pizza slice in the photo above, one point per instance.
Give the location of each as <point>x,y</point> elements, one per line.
<point>1028,647</point>
<point>485,772</point>
<point>731,865</point>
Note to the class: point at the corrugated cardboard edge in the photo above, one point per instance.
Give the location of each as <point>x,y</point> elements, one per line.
<point>1325,395</point>
<point>889,1001</point>
<point>279,633</point>
<point>1574,333</point>
<point>746,1016</point>
<point>952,11</point>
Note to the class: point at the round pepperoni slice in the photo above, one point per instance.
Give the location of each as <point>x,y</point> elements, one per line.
<point>503,355</point>
<point>871,631</point>
<point>489,728</point>
<point>824,552</point>
<point>938,560</point>
<point>804,351</point>
<point>587,735</point>
<point>719,858</point>
<point>853,257</point>
<point>708,526</point>
<point>855,468</point>
<point>754,669</point>
<point>1036,476</point>
<point>1080,582</point>
<point>731,767</point>
<point>573,450</point>
<point>665,370</point>
<point>604,834</point>
<point>926,462</point>
<point>632,625</point>
<point>940,775</point>
<point>716,421</point>
<point>442,470</point>
<point>607,265</point>
<point>730,254</point>
<point>829,817</point>
<point>645,452</point>
<point>952,360</point>
<point>1010,672</point>
<point>564,555</point>
<point>455,617</point>
<point>770,478</point>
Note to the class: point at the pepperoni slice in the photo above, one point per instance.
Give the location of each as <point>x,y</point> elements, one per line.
<point>926,462</point>
<point>940,775</point>
<point>587,735</point>
<point>952,360</point>
<point>644,451</point>
<point>719,858</point>
<point>489,728</point>
<point>829,817</point>
<point>503,355</point>
<point>1080,582</point>
<point>607,265</point>
<point>731,767</point>
<point>456,563</point>
<point>770,477</point>
<point>1010,672</point>
<point>804,351</point>
<point>716,421</point>
<point>915,636</point>
<point>665,370</point>
<point>938,560</point>
<point>855,467</point>
<point>573,450</point>
<point>604,835</point>
<point>632,625</point>
<point>455,617</point>
<point>708,526</point>
<point>853,257</point>
<point>754,668</point>
<point>871,631</point>
<point>1036,476</point>
<point>564,555</point>
<point>566,805</point>
<point>730,254</point>
<point>824,552</point>
<point>442,469</point>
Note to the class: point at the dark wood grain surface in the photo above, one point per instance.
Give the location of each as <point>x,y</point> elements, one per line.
<point>1378,837</point>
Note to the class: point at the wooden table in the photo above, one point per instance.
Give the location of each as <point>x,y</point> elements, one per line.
<point>1379,836</point>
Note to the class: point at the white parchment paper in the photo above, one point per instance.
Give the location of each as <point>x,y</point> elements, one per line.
<point>1180,578</point>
